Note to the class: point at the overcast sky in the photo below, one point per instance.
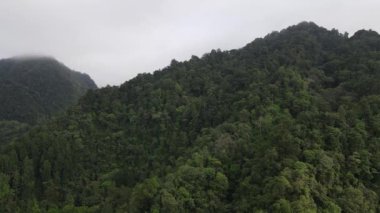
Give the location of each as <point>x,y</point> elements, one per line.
<point>114,40</point>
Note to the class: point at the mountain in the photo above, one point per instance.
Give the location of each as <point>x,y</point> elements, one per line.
<point>32,89</point>
<point>288,123</point>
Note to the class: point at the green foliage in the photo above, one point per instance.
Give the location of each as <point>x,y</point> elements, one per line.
<point>10,130</point>
<point>32,89</point>
<point>289,123</point>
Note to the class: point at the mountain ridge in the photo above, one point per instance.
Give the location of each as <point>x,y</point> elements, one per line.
<point>41,81</point>
<point>288,123</point>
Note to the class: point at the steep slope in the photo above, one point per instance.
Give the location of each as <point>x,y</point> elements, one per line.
<point>32,88</point>
<point>288,123</point>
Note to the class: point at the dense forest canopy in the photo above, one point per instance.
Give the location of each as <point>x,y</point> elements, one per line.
<point>32,89</point>
<point>288,123</point>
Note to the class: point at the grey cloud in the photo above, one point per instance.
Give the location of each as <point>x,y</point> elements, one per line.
<point>114,40</point>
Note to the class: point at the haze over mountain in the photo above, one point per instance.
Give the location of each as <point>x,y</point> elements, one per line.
<point>34,87</point>
<point>114,40</point>
<point>288,123</point>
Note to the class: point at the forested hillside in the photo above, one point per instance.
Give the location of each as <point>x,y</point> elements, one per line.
<point>288,123</point>
<point>34,88</point>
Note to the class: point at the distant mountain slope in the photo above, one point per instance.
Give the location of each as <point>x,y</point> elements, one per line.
<point>288,123</point>
<point>32,88</point>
